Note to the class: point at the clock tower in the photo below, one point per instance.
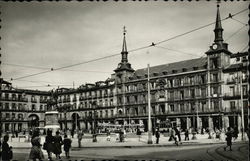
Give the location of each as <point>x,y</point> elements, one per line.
<point>218,51</point>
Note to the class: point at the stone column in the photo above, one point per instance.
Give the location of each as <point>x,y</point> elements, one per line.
<point>225,121</point>
<point>178,122</point>
<point>199,123</point>
<point>188,123</point>
<point>210,123</point>
<point>239,122</point>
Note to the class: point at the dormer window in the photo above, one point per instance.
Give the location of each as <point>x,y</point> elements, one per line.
<point>195,68</point>
<point>184,69</point>
<point>155,74</point>
<point>174,71</point>
<point>165,72</point>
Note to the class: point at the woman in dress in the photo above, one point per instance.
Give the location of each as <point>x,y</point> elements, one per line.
<point>58,145</point>
<point>67,145</point>
<point>36,152</point>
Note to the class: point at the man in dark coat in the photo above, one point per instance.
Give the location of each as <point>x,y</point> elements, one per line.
<point>157,135</point>
<point>229,135</point>
<point>6,150</point>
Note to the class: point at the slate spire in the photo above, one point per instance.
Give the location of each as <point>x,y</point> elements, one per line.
<point>218,31</point>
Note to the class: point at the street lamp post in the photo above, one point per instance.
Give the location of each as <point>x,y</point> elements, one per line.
<point>94,115</point>
<point>149,113</point>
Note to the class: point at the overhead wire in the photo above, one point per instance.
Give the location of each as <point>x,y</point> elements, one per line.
<point>236,32</point>
<point>36,67</point>
<point>157,46</point>
<point>136,49</point>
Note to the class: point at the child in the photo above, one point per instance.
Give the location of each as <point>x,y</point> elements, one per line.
<point>67,145</point>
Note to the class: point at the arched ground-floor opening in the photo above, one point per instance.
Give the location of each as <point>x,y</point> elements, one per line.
<point>75,121</point>
<point>33,121</point>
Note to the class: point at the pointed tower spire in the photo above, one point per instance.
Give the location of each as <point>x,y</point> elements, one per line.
<point>218,31</point>
<point>124,47</point>
<point>124,65</point>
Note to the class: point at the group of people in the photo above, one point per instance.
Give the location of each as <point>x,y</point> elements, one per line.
<point>52,144</point>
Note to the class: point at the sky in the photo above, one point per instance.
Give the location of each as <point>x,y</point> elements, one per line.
<point>38,36</point>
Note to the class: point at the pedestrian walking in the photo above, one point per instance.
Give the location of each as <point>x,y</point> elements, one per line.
<point>58,145</point>
<point>229,136</point>
<point>177,132</point>
<point>172,136</point>
<point>186,134</point>
<point>235,132</point>
<point>66,145</point>
<point>121,135</point>
<point>72,133</point>
<point>157,135</point>
<point>36,152</point>
<point>79,136</point>
<point>49,144</point>
<point>6,149</point>
<point>108,135</point>
<point>138,133</point>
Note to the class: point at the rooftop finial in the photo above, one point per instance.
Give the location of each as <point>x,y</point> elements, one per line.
<point>124,30</point>
<point>124,45</point>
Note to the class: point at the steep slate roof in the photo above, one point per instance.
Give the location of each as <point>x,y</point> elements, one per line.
<point>178,66</point>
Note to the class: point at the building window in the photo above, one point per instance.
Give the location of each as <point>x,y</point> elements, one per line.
<point>192,93</point>
<point>112,113</point>
<point>41,107</point>
<point>162,107</point>
<point>203,79</point>
<point>33,107</point>
<point>7,107</point>
<point>214,63</point>
<point>171,108</point>
<point>182,109</point>
<point>232,105</point>
<point>13,106</point>
<point>153,110</point>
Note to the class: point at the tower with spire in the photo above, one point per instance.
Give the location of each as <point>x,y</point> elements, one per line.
<point>124,68</point>
<point>218,52</point>
<point>218,44</point>
<point>124,65</point>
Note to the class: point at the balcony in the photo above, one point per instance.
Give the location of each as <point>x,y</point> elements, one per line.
<point>228,96</point>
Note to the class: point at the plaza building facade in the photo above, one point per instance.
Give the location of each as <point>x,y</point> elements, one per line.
<point>21,109</point>
<point>207,92</point>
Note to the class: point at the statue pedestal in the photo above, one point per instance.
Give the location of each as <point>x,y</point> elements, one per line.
<point>51,121</point>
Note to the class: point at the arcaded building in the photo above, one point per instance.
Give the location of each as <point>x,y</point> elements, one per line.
<point>207,92</point>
